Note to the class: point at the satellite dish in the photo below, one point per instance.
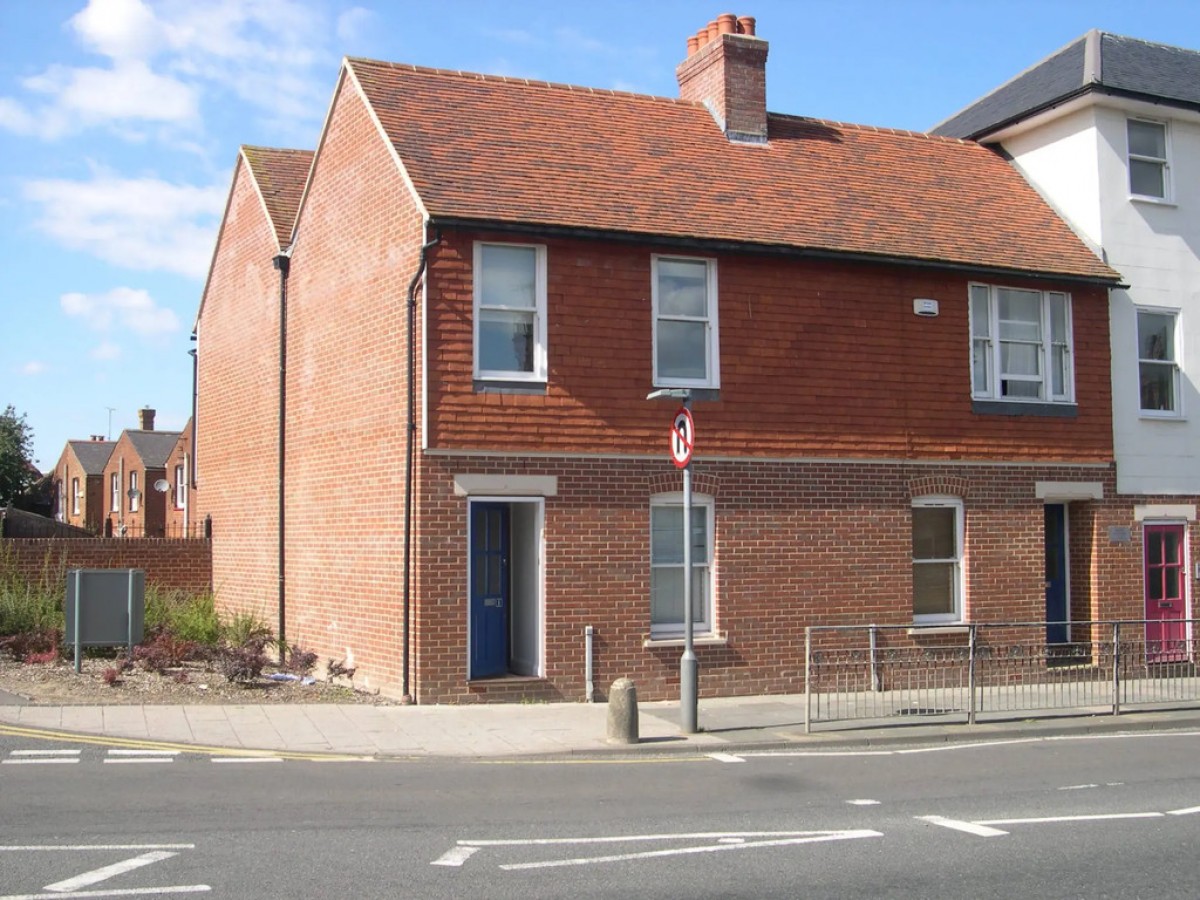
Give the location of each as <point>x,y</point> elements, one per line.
<point>162,485</point>
<point>134,493</point>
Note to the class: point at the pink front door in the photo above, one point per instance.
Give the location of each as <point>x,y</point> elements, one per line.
<point>1166,600</point>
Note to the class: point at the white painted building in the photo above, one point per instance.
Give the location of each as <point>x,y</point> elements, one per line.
<point>1108,129</point>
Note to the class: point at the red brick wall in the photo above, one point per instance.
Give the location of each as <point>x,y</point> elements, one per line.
<point>237,407</point>
<point>356,250</point>
<point>180,508</point>
<point>178,565</point>
<point>149,519</point>
<point>817,359</point>
<point>797,544</point>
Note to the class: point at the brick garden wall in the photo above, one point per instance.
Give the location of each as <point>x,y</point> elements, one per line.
<point>184,565</point>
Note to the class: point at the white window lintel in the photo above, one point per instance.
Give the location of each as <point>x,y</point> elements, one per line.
<point>468,485</point>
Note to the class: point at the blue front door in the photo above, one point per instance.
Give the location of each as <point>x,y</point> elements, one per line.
<point>489,589</point>
<point>1057,620</point>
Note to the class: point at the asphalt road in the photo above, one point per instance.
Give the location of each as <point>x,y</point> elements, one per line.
<point>1089,817</point>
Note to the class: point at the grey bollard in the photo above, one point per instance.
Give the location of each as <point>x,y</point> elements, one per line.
<point>622,712</point>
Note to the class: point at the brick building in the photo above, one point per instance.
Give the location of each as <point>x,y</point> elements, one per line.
<point>79,483</point>
<point>135,478</point>
<point>899,356</point>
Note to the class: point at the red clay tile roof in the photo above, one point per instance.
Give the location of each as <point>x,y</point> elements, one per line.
<point>280,176</point>
<point>513,151</point>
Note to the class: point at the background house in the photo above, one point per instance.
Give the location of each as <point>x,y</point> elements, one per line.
<point>899,353</point>
<point>1108,130</point>
<point>137,462</point>
<point>79,483</point>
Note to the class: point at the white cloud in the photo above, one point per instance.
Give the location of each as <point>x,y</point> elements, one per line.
<point>165,61</point>
<point>354,24</point>
<point>105,352</point>
<point>137,223</point>
<point>122,309</point>
<point>33,367</point>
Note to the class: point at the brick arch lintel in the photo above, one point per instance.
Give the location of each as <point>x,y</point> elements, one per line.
<point>672,482</point>
<point>939,485</point>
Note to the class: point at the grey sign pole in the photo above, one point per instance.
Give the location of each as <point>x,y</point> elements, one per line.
<point>689,667</point>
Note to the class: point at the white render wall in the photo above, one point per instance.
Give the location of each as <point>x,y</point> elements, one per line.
<point>1078,162</point>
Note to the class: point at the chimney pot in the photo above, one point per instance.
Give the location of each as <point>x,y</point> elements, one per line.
<point>729,78</point>
<point>746,25</point>
<point>146,419</point>
<point>713,31</point>
<point>693,44</point>
<point>701,38</point>
<point>727,23</point>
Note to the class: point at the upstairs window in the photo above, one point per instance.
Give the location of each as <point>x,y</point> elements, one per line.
<point>510,312</point>
<point>1020,345</point>
<point>666,565</point>
<point>937,569</point>
<point>684,293</point>
<point>1148,168</point>
<point>115,483</point>
<point>180,488</point>
<point>135,495</point>
<point>76,495</point>
<point>1158,369</point>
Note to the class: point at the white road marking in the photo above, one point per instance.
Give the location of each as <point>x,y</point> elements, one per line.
<point>118,752</point>
<point>117,892</point>
<point>1191,810</point>
<point>1088,818</point>
<point>455,856</point>
<point>1078,787</point>
<point>26,848</point>
<point>247,759</point>
<point>141,759</point>
<point>960,825</point>
<point>50,761</point>
<point>725,757</point>
<point>818,837</point>
<point>87,879</point>
<point>863,802</point>
<point>45,753</point>
<point>619,838</point>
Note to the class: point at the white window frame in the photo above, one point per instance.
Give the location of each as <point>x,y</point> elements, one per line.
<point>75,496</point>
<point>712,344</point>
<point>540,349</point>
<point>180,488</point>
<point>134,498</point>
<point>985,339</point>
<point>706,623</point>
<point>1162,161</point>
<point>115,488</point>
<point>958,582</point>
<point>1172,361</point>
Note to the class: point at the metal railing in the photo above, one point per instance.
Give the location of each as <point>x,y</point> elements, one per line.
<point>885,671</point>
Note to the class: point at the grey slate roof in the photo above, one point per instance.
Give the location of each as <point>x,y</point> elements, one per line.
<point>1098,62</point>
<point>153,446</point>
<point>93,455</point>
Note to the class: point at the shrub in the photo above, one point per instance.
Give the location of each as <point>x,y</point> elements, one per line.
<point>337,667</point>
<point>37,644</point>
<point>243,664</point>
<point>191,617</point>
<point>164,651</point>
<point>247,628</point>
<point>298,660</point>
<point>111,676</point>
<point>28,605</point>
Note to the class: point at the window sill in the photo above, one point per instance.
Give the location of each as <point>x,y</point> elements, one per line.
<point>1153,201</point>
<point>499,386</point>
<point>708,394</point>
<point>1150,416</point>
<point>918,630</point>
<point>699,640</point>
<point>1024,408</point>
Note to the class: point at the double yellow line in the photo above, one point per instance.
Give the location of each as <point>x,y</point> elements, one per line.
<point>45,734</point>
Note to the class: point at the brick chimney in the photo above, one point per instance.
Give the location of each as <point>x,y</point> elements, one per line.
<point>726,70</point>
<point>146,419</point>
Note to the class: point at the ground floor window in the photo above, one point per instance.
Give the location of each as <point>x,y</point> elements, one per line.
<point>666,565</point>
<point>937,541</point>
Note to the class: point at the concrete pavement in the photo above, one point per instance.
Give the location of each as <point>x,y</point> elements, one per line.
<point>535,729</point>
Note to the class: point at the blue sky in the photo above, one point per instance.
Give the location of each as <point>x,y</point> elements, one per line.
<point>120,122</point>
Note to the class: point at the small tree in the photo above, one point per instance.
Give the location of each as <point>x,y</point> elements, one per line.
<point>17,472</point>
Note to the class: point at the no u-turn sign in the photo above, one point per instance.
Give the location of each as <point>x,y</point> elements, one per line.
<point>683,438</point>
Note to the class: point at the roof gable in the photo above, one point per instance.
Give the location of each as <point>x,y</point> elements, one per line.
<point>498,150</point>
<point>279,176</point>
<point>92,455</point>
<point>1097,62</point>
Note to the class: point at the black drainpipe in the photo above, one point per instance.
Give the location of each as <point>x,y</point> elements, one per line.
<point>409,450</point>
<point>283,263</point>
